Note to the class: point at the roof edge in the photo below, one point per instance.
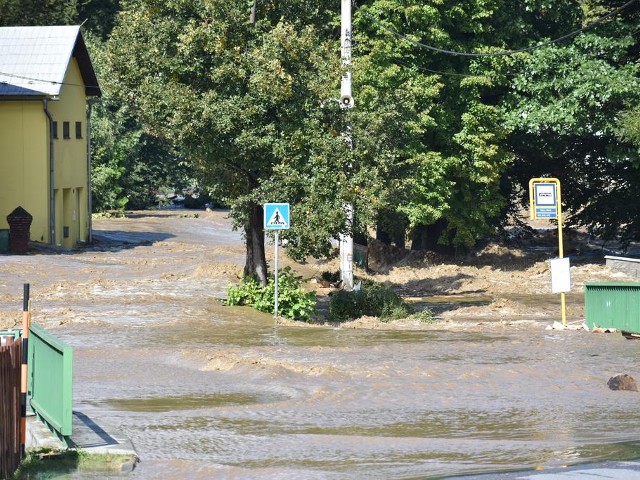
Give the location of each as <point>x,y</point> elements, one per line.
<point>92,87</point>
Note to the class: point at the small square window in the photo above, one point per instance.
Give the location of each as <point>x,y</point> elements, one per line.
<point>78,129</point>
<point>54,129</point>
<point>65,131</point>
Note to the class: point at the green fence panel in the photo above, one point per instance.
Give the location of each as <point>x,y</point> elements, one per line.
<point>51,380</point>
<point>613,305</point>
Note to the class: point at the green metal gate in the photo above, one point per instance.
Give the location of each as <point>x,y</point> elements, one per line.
<point>51,380</point>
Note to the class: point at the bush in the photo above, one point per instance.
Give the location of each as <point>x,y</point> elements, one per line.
<point>373,300</point>
<point>293,301</point>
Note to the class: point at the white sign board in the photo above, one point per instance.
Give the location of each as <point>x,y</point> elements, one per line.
<point>560,275</point>
<point>545,194</point>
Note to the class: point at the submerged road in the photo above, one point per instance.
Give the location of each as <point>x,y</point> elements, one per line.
<point>207,391</point>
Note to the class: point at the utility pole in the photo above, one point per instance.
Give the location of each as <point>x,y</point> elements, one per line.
<point>346,101</point>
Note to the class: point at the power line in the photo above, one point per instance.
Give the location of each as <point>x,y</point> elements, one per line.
<point>415,42</point>
<point>497,54</point>
<point>33,79</point>
<point>437,72</point>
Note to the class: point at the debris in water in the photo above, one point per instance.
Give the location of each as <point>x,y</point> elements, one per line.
<point>557,326</point>
<point>602,330</point>
<point>623,381</point>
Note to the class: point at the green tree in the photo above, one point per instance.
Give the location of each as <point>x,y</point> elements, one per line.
<point>129,166</point>
<point>630,126</point>
<point>99,15</point>
<point>450,185</point>
<point>235,97</point>
<point>567,110</point>
<point>37,12</point>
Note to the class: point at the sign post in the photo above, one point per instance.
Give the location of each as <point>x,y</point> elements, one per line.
<point>276,217</point>
<point>546,203</point>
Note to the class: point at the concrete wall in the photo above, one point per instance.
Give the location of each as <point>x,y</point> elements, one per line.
<point>630,266</point>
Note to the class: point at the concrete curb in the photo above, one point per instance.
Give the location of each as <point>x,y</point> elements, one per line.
<point>87,437</point>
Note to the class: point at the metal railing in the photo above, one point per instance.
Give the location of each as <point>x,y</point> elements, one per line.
<point>51,381</point>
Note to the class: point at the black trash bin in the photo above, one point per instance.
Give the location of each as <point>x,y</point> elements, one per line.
<point>19,224</point>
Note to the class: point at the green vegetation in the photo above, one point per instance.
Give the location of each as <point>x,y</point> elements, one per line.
<point>31,12</point>
<point>46,463</point>
<point>375,300</point>
<point>293,301</point>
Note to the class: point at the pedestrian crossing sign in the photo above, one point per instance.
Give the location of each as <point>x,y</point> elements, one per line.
<point>276,216</point>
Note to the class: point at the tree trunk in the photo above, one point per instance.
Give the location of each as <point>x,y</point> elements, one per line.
<point>256,263</point>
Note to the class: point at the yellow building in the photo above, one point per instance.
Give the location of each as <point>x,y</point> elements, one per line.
<point>46,78</point>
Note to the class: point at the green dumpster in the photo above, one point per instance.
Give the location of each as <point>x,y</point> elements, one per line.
<point>4,240</point>
<point>613,305</point>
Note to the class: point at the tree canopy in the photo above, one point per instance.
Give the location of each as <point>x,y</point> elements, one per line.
<point>37,12</point>
<point>572,109</point>
<point>238,98</point>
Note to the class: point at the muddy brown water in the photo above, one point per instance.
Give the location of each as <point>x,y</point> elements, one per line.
<point>208,391</point>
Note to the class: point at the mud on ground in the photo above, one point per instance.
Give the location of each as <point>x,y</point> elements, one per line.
<point>506,279</point>
<point>175,251</point>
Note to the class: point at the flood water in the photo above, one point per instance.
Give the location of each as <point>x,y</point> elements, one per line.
<point>207,391</point>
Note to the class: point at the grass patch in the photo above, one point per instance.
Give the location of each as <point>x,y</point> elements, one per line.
<point>47,463</point>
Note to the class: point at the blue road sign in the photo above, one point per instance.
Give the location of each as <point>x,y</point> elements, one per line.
<point>276,216</point>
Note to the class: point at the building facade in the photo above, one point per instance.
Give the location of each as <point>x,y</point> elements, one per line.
<point>46,81</point>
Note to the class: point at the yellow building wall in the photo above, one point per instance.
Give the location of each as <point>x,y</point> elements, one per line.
<point>70,161</point>
<point>24,163</point>
<point>24,153</point>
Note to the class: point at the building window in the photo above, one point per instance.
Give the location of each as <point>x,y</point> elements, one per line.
<point>78,129</point>
<point>54,128</point>
<point>65,130</point>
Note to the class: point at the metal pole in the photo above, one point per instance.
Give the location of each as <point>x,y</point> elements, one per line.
<point>89,173</point>
<point>346,101</point>
<point>563,299</point>
<point>52,191</point>
<point>24,370</point>
<point>275,308</point>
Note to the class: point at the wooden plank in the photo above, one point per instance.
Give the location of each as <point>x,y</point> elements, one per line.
<point>10,373</point>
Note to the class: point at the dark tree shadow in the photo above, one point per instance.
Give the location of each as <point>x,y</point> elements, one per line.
<point>103,241</point>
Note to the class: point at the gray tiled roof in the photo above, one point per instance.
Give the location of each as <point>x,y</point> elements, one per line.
<point>34,60</point>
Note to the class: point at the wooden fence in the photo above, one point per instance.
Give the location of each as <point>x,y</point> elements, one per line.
<point>10,407</point>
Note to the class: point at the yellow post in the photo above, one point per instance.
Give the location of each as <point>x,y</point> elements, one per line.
<point>563,298</point>
<point>558,208</point>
